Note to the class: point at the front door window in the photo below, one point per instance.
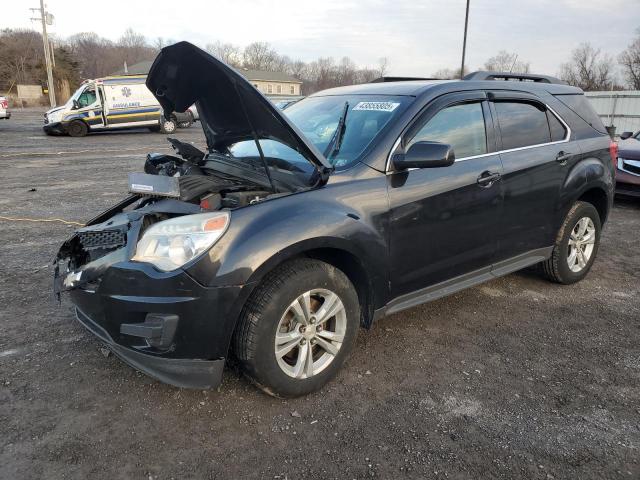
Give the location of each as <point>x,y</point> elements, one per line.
<point>87,98</point>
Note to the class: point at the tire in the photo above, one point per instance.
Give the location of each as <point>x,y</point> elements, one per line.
<point>271,310</point>
<point>77,128</point>
<point>561,267</point>
<point>168,126</point>
<point>186,123</point>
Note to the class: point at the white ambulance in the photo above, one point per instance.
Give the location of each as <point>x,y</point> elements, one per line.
<point>111,103</point>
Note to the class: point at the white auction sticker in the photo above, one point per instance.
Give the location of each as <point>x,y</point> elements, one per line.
<point>142,188</point>
<point>377,106</point>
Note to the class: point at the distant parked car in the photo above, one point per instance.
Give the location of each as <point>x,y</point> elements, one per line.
<point>189,117</point>
<point>628,164</point>
<point>285,104</point>
<point>4,108</point>
<point>194,112</point>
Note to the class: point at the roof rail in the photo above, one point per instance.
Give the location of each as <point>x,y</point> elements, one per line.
<point>513,77</point>
<point>399,79</point>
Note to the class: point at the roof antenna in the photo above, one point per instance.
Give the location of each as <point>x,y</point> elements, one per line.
<point>513,64</point>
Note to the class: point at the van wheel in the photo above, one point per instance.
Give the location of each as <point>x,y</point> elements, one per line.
<point>168,126</point>
<point>77,128</point>
<point>298,327</point>
<point>576,245</point>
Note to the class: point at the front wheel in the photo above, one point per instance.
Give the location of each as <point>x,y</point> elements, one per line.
<point>77,128</point>
<point>298,328</point>
<point>576,245</point>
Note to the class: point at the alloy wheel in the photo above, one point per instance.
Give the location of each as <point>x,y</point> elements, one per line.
<point>581,244</point>
<point>310,333</point>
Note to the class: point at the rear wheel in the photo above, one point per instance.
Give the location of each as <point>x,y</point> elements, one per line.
<point>297,328</point>
<point>576,245</point>
<point>77,128</point>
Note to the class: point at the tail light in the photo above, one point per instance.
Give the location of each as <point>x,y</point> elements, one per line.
<point>613,151</point>
<point>4,103</point>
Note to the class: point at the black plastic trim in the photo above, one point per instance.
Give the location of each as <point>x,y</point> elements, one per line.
<point>179,372</point>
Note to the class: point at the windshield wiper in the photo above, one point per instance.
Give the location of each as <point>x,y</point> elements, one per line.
<point>336,141</point>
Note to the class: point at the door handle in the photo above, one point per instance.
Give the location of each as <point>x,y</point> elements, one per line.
<point>487,178</point>
<point>563,156</point>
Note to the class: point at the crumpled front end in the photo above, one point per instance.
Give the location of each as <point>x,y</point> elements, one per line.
<point>165,324</point>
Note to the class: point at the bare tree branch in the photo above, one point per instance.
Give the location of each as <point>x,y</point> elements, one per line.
<point>630,62</point>
<point>589,69</point>
<point>506,62</point>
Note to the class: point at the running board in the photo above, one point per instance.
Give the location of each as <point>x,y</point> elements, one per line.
<point>462,282</point>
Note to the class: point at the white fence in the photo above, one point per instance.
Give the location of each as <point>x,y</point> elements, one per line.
<point>618,108</point>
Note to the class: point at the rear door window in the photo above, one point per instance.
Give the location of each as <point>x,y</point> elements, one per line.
<point>522,124</point>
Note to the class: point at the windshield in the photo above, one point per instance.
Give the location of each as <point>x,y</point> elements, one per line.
<point>367,115</point>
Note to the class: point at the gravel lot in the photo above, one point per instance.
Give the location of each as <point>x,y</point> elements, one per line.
<point>517,378</point>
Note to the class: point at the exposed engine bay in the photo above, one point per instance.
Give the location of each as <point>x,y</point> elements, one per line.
<point>171,186</point>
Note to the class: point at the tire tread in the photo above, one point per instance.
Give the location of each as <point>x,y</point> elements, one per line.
<point>245,339</point>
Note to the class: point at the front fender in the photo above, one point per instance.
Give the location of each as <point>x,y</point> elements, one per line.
<point>262,236</point>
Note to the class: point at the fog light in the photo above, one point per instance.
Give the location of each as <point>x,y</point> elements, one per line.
<point>158,329</point>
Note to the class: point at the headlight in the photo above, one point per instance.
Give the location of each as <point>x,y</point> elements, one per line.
<point>172,243</point>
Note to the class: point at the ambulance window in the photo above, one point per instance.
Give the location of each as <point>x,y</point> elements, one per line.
<point>86,98</point>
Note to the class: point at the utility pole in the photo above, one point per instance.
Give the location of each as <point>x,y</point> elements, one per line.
<point>48,54</point>
<point>464,42</point>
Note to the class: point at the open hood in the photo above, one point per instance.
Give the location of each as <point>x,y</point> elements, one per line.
<point>230,108</point>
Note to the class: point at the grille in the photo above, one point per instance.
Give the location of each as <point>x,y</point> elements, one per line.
<point>102,239</point>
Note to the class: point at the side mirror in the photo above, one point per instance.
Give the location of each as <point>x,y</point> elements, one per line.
<point>425,155</point>
<point>625,135</point>
<point>76,105</point>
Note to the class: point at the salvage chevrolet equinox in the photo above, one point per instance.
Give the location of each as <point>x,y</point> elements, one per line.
<point>297,227</point>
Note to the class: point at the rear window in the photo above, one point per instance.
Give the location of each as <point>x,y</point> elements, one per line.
<point>581,107</point>
<point>522,124</point>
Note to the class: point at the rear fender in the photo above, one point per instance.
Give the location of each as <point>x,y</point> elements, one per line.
<point>589,173</point>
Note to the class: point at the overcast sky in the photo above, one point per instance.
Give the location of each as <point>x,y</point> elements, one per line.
<point>417,36</point>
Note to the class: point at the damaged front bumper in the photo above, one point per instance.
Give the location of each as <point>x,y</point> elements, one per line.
<point>165,324</point>
<point>54,128</point>
<point>179,372</point>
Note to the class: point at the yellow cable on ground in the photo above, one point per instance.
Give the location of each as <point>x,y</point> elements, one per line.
<point>43,220</point>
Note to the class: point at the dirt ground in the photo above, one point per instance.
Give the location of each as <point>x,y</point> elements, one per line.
<point>517,378</point>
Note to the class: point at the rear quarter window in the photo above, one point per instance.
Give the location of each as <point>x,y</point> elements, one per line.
<point>579,104</point>
<point>557,129</point>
